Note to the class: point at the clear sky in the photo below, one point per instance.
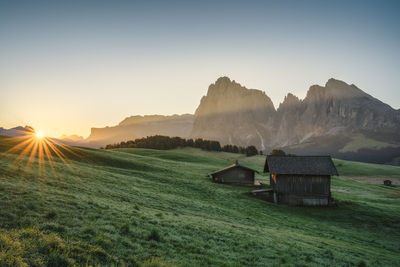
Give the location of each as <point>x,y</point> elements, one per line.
<point>67,66</point>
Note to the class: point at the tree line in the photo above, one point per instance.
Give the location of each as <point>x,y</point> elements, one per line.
<point>281,153</point>
<point>165,142</point>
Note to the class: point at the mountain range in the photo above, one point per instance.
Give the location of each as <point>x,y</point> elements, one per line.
<point>337,119</point>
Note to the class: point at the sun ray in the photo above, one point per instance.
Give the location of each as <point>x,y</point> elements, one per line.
<point>32,154</point>
<point>43,151</point>
<point>57,152</point>
<point>54,141</point>
<point>25,151</point>
<point>50,159</point>
<point>28,140</point>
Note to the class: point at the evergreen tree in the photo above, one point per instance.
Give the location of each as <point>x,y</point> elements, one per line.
<point>277,152</point>
<point>190,143</point>
<point>251,151</point>
<point>165,142</point>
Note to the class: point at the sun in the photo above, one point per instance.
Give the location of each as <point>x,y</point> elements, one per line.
<point>39,134</point>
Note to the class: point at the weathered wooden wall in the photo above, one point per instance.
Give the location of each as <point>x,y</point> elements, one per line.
<point>236,176</point>
<point>303,184</point>
<point>302,189</point>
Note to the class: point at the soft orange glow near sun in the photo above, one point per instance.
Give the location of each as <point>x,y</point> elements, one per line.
<point>39,134</point>
<point>46,151</point>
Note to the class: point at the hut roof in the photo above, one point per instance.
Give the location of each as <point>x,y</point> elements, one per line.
<point>235,165</point>
<point>302,165</point>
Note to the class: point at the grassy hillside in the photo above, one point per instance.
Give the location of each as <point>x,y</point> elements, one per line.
<point>352,168</point>
<point>359,141</point>
<point>155,208</point>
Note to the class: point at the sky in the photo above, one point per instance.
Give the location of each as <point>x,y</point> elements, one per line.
<point>67,66</point>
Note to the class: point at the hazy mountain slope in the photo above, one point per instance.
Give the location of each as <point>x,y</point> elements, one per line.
<point>286,122</point>
<point>233,114</point>
<point>17,131</point>
<point>71,138</point>
<point>341,120</point>
<point>142,126</point>
<point>339,107</point>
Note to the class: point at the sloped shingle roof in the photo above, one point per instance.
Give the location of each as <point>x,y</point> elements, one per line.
<point>235,165</point>
<point>303,165</point>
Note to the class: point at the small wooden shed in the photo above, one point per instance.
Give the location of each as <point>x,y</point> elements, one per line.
<point>301,180</point>
<point>387,182</point>
<point>234,174</point>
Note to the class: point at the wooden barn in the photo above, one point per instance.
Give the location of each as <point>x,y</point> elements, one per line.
<point>234,174</point>
<point>301,180</point>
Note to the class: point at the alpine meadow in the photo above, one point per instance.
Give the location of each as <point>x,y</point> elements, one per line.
<point>199,133</point>
<point>157,208</point>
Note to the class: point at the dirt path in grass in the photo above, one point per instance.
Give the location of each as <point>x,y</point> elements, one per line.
<point>374,180</point>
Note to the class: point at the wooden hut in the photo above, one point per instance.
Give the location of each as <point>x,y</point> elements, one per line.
<point>301,180</point>
<point>234,174</point>
<point>387,182</point>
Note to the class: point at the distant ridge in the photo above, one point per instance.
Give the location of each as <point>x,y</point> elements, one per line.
<point>16,131</point>
<point>141,126</point>
<point>337,119</point>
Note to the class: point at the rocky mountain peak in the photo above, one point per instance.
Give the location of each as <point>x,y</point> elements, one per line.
<point>315,92</point>
<point>334,89</point>
<point>224,85</point>
<point>223,81</point>
<point>228,96</point>
<point>335,83</point>
<point>231,113</point>
<point>341,89</point>
<point>289,101</point>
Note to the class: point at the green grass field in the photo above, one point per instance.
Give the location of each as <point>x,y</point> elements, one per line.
<point>138,207</point>
<point>359,141</point>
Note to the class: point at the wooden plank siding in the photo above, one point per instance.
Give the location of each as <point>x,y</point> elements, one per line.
<point>235,176</point>
<point>302,184</point>
<point>293,189</point>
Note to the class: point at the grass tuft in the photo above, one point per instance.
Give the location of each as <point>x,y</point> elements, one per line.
<point>154,235</point>
<point>51,214</point>
<point>125,229</point>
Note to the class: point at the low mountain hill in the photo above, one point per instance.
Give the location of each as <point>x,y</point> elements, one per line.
<point>141,126</point>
